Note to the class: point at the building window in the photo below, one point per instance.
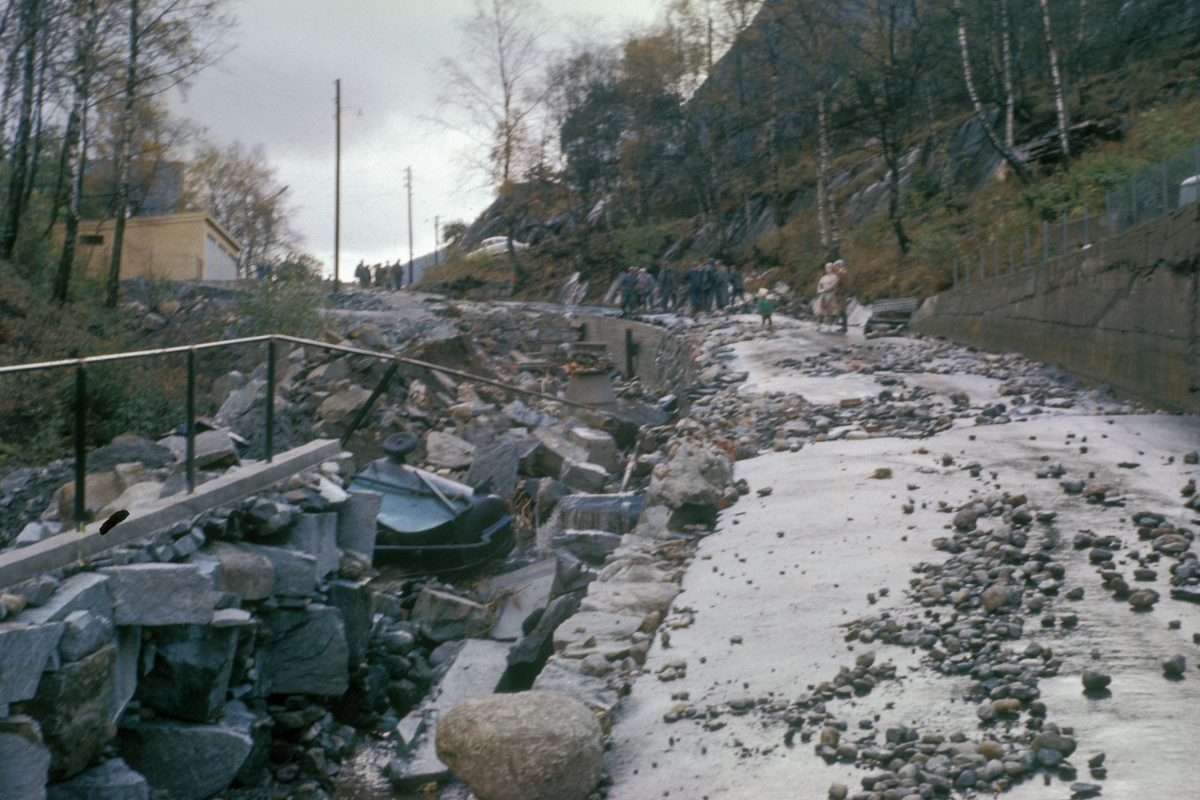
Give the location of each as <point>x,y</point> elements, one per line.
<point>91,239</point>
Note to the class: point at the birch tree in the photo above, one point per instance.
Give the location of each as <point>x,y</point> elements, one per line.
<point>1060,99</point>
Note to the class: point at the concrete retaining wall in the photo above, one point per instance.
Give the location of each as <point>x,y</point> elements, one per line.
<point>662,359</point>
<point>1122,312</point>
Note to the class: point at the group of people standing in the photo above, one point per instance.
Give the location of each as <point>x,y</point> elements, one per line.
<point>832,289</point>
<point>705,286</point>
<point>388,276</point>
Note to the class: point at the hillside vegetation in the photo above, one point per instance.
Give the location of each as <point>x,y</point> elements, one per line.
<point>895,134</point>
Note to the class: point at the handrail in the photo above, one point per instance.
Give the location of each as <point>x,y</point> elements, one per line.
<point>80,365</point>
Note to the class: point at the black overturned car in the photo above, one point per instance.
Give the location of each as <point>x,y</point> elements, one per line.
<point>428,523</point>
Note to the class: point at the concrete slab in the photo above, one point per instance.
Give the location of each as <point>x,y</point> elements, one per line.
<point>66,548</point>
<point>476,670</point>
<point>523,591</point>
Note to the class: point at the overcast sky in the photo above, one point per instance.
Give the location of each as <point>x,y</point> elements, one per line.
<point>276,88</point>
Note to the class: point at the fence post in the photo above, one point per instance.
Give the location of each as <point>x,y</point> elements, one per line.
<point>956,272</point>
<point>1028,247</point>
<point>1045,240</point>
<point>270,399</point>
<point>80,446</point>
<point>1066,244</point>
<point>1164,171</point>
<point>191,421</point>
<point>1085,224</point>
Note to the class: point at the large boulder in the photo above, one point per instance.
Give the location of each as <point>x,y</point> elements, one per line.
<point>189,671</point>
<point>307,653</point>
<point>24,759</point>
<point>161,594</point>
<point>24,651</point>
<point>694,476</point>
<point>523,746</point>
<point>72,705</point>
<point>443,616</point>
<point>190,762</point>
<point>341,405</point>
<point>112,780</point>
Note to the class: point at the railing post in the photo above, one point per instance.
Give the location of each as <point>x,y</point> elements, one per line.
<point>956,272</point>
<point>270,400</point>
<point>1085,225</point>
<point>629,352</point>
<point>191,421</point>
<point>366,409</point>
<point>80,446</point>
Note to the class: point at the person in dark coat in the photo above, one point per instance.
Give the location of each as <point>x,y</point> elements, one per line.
<point>738,283</point>
<point>668,286</point>
<point>721,285</point>
<point>694,281</point>
<point>708,283</point>
<point>363,274</point>
<point>627,289</point>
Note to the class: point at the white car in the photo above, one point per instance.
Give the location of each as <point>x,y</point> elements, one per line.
<point>494,246</point>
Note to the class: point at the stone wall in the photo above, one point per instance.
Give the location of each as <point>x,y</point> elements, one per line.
<point>1122,312</point>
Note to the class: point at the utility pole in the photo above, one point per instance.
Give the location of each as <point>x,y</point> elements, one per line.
<point>408,184</point>
<point>337,185</point>
<point>436,220</point>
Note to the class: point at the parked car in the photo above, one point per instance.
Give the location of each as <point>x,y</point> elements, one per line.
<point>429,523</point>
<point>494,246</point>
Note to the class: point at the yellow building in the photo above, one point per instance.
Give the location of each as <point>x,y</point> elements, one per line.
<point>179,247</point>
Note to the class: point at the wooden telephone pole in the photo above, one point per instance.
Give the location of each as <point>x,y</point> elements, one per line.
<point>408,184</point>
<point>337,184</point>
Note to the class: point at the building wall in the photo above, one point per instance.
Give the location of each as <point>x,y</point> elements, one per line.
<point>168,247</point>
<point>1122,312</point>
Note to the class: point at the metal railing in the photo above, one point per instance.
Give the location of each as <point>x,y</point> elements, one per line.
<point>81,401</point>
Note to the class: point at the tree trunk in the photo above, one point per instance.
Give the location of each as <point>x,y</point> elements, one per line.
<point>1013,160</point>
<point>76,165</point>
<point>35,158</point>
<point>1060,100</point>
<point>831,241</point>
<point>122,158</point>
<point>1009,99</point>
<point>1080,60</point>
<point>13,208</point>
<point>776,187</point>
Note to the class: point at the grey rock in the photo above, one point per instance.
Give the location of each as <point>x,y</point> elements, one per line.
<point>37,591</point>
<point>1072,486</point>
<point>295,573</point>
<point>357,522</point>
<point>521,593</point>
<point>522,745</point>
<point>583,476</point>
<point>614,513</point>
<point>72,707</point>
<point>592,546</point>
<point>443,616</point>
<point>243,572</point>
<point>355,601</point>
<point>1174,666</point>
<point>111,780</point>
<point>307,652</point>
<point>522,414</point>
<point>1095,681</point>
<point>316,534</point>
<point>272,517</point>
<point>554,452</point>
<point>24,759</point>
<point>191,762</point>
<point>225,385</point>
<point>160,594</point>
<point>86,591</point>
<point>340,405</point>
<point>601,447</point>
<point>694,476</point>
<point>565,678</point>
<point>83,634</point>
<point>32,533</point>
<point>497,466</point>
<point>190,671</point>
<point>24,651</point>
<point>447,451</point>
<point>240,401</point>
<point>537,645</point>
<point>214,449</point>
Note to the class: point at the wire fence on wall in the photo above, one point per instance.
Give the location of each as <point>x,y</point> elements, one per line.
<point>1152,193</point>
